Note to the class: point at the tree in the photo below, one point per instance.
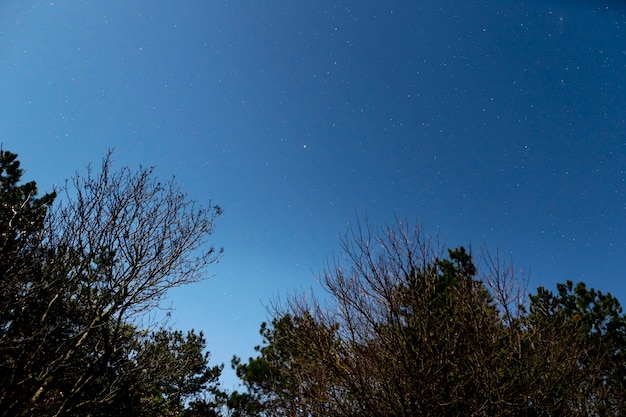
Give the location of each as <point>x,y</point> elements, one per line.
<point>168,372</point>
<point>22,217</point>
<point>280,381</point>
<point>407,331</point>
<point>80,278</point>
<point>574,358</point>
<point>21,221</point>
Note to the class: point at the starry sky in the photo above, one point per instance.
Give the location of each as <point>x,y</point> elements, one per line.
<point>497,123</point>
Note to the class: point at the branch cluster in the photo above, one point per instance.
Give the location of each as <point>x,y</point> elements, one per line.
<point>408,331</point>
<point>79,277</point>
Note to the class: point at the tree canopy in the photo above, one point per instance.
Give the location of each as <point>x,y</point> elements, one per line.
<point>406,327</point>
<point>78,278</point>
<point>408,331</point>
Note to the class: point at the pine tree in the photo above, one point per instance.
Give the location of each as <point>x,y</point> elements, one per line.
<point>22,217</point>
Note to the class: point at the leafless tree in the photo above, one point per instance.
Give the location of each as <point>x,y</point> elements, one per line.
<point>109,253</point>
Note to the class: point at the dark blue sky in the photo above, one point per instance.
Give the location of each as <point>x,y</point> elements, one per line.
<point>497,123</point>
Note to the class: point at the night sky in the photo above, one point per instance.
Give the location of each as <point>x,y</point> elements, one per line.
<point>493,123</point>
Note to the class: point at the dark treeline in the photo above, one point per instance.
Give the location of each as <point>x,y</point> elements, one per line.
<point>407,328</point>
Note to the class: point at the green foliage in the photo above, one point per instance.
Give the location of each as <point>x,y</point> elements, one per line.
<point>21,221</point>
<point>269,387</point>
<point>21,213</point>
<point>22,217</point>
<point>575,359</point>
<point>174,369</point>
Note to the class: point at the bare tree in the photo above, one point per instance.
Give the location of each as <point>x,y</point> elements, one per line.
<point>109,253</point>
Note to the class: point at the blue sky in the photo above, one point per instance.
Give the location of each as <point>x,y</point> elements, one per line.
<point>497,123</point>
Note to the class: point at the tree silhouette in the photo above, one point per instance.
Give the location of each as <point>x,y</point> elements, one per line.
<point>77,281</point>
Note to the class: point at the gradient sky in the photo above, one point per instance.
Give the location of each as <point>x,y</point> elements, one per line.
<point>497,123</point>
